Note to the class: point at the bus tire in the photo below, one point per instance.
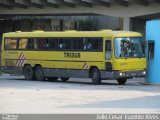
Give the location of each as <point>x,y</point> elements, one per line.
<point>64,79</point>
<point>96,77</point>
<point>28,73</point>
<point>121,81</point>
<point>52,79</point>
<point>39,74</point>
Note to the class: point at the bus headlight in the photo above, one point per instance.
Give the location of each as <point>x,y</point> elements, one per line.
<point>122,74</point>
<point>144,72</point>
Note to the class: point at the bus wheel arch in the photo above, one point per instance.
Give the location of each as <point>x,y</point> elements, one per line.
<point>94,73</point>
<point>52,79</point>
<point>121,81</point>
<point>36,65</point>
<point>64,79</point>
<point>28,72</point>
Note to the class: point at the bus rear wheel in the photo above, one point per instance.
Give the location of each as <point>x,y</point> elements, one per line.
<point>39,73</point>
<point>52,79</point>
<point>96,77</point>
<point>64,79</point>
<point>28,73</point>
<point>121,81</point>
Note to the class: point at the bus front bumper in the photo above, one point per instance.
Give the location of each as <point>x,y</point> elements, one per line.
<point>122,74</point>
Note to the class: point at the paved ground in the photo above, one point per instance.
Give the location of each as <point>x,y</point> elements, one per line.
<point>77,96</point>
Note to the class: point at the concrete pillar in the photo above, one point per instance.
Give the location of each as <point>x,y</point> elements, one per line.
<point>68,25</point>
<point>153,58</point>
<point>127,23</point>
<point>55,24</point>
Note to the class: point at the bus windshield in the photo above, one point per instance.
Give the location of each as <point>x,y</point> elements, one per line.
<point>129,47</point>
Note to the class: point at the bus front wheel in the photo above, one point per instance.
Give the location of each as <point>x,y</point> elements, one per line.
<point>96,77</point>
<point>28,73</point>
<point>39,73</point>
<point>121,81</point>
<point>52,79</point>
<point>64,79</point>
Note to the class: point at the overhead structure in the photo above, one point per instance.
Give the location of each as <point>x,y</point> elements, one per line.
<point>118,8</point>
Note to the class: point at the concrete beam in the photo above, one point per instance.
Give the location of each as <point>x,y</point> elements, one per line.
<point>142,2</point>
<point>87,3</point>
<point>124,3</point>
<point>158,1</point>
<point>57,3</point>
<point>6,4</point>
<point>106,3</point>
<point>37,3</point>
<point>21,4</point>
<point>114,10</point>
<point>53,3</point>
<point>70,3</point>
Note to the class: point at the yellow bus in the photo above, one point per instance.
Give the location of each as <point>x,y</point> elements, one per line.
<point>100,55</point>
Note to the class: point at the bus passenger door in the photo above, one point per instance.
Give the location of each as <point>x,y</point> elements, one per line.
<point>108,54</point>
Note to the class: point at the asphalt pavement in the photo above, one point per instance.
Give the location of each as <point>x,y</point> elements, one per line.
<point>18,95</point>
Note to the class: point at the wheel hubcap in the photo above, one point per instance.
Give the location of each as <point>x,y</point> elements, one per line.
<point>39,74</point>
<point>94,76</point>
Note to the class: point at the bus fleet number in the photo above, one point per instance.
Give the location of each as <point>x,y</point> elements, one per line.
<point>71,55</point>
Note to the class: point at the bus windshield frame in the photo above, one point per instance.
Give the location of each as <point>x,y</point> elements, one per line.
<point>129,47</point>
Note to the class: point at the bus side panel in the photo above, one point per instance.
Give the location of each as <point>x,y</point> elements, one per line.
<point>58,60</point>
<point>14,62</point>
<point>66,73</point>
<point>10,62</point>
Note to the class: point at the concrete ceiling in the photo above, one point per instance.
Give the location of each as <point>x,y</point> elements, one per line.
<point>118,8</point>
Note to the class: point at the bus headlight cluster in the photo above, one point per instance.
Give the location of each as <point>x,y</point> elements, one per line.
<point>144,72</point>
<point>122,74</point>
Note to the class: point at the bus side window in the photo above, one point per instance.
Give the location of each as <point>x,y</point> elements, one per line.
<point>97,44</point>
<point>46,45</point>
<point>68,43</point>
<point>88,44</point>
<point>35,44</point>
<point>77,43</point>
<point>53,43</point>
<point>23,43</point>
<point>108,50</point>
<point>10,43</point>
<point>65,43</point>
<point>151,47</point>
<point>61,44</point>
<point>39,43</point>
<point>42,43</point>
<point>84,44</point>
<point>93,44</point>
<point>29,43</point>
